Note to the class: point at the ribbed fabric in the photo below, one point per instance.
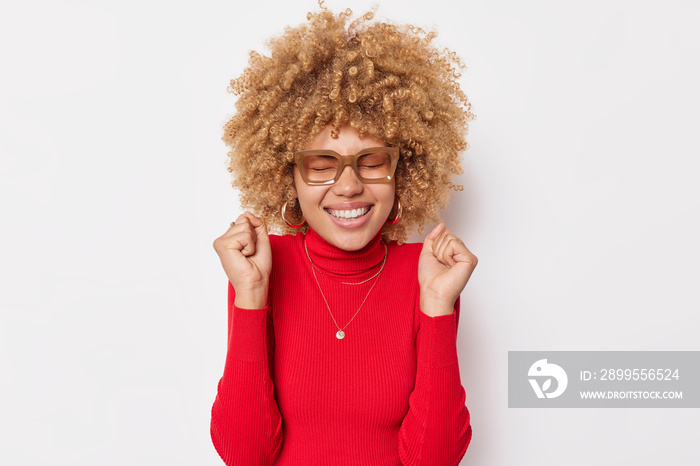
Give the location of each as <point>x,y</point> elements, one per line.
<point>389,393</point>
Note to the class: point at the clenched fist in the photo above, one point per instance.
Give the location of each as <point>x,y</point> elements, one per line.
<point>246,256</point>
<point>444,268</point>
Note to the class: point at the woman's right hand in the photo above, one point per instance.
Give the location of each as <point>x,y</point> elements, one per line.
<point>246,256</point>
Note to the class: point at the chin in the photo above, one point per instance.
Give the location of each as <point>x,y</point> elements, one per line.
<point>351,245</point>
<point>353,241</point>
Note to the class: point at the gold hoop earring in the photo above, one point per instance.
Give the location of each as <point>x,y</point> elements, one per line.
<point>290,224</point>
<point>399,211</point>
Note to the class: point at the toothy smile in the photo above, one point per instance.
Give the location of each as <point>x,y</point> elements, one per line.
<point>349,214</point>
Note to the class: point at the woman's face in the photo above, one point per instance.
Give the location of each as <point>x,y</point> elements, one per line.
<point>325,207</point>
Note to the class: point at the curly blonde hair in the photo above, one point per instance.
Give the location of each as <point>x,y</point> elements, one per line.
<point>385,80</point>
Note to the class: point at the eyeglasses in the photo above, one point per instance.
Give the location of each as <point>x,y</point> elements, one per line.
<point>324,167</point>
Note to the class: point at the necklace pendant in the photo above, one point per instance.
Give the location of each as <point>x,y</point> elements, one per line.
<point>340,334</point>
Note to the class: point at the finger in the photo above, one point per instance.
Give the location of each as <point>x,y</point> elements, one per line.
<point>242,235</point>
<point>461,254</point>
<point>241,239</point>
<point>243,223</point>
<point>248,240</point>
<point>252,219</point>
<point>436,231</point>
<point>430,238</point>
<point>258,223</point>
<point>440,240</point>
<point>236,225</point>
<point>449,249</point>
<point>464,254</point>
<point>446,249</point>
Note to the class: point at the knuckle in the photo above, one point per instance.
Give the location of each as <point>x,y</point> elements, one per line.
<point>217,243</point>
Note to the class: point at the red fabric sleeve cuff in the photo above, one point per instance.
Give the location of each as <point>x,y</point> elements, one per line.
<point>438,337</point>
<point>247,338</point>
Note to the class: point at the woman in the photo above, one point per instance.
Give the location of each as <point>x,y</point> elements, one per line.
<point>341,342</point>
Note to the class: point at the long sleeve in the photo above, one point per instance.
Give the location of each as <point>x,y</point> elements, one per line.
<point>246,425</point>
<point>436,429</point>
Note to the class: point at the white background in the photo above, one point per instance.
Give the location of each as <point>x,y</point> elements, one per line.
<point>581,202</point>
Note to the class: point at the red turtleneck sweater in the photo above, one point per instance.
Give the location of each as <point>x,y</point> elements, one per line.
<point>292,393</point>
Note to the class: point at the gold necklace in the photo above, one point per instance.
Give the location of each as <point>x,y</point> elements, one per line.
<point>340,334</point>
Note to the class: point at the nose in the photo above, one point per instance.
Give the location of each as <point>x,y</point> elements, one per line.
<point>348,184</point>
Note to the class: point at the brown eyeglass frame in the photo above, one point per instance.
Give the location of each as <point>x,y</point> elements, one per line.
<point>344,160</point>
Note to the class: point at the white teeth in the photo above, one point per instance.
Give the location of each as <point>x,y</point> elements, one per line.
<point>349,214</point>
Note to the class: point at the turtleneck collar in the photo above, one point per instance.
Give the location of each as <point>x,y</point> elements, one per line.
<point>335,261</point>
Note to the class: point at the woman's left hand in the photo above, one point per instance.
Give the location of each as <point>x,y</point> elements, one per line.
<point>444,267</point>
